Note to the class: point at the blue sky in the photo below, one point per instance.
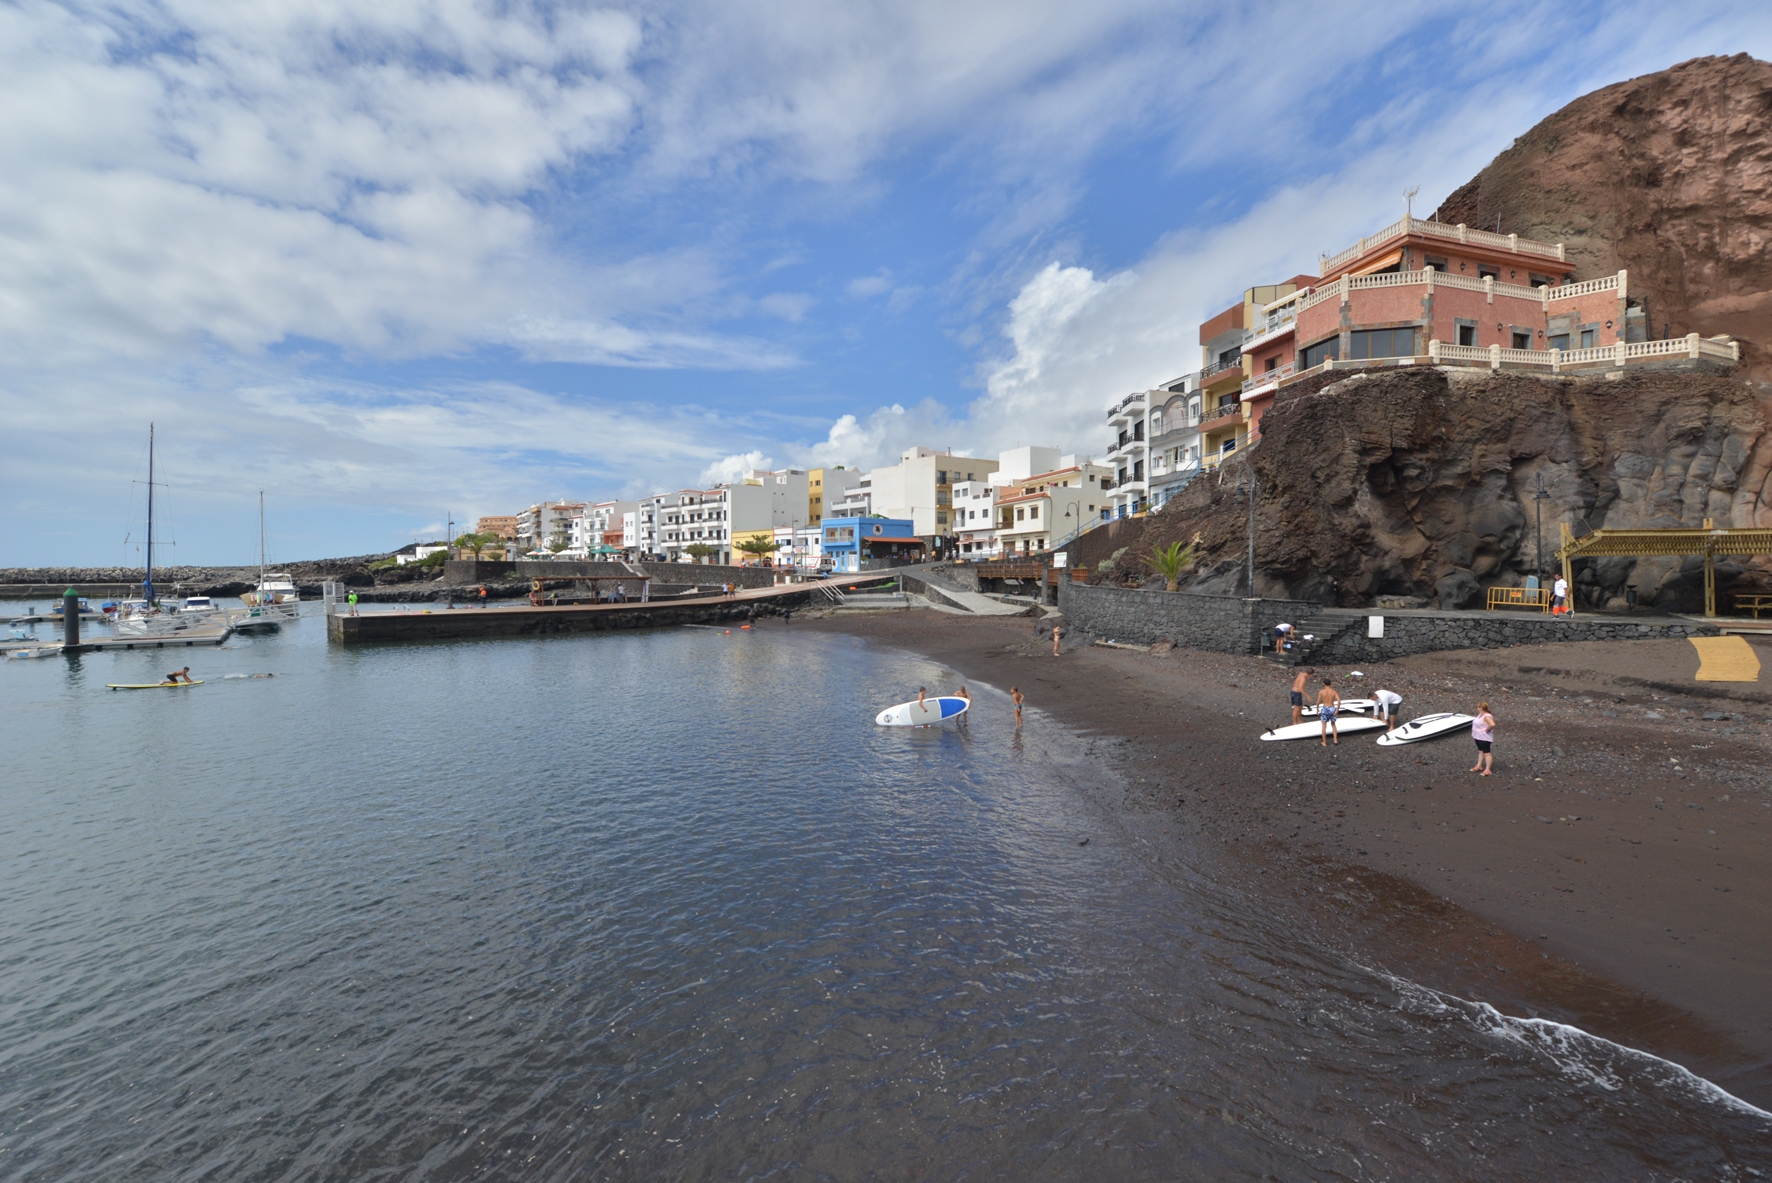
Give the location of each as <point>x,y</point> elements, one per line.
<point>396,261</point>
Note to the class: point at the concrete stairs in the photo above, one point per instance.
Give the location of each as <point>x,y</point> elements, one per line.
<point>1325,627</point>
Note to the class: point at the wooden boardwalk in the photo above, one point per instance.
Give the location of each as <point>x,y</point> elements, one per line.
<point>526,620</point>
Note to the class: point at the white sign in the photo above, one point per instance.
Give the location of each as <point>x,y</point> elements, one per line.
<point>1375,626</point>
<point>1060,559</point>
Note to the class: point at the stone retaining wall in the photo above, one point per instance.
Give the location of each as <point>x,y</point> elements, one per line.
<point>1220,624</point>
<point>1430,632</point>
<point>462,572</point>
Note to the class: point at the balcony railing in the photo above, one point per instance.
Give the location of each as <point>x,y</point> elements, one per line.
<point>1489,285</point>
<point>1270,377</point>
<point>1135,396</point>
<point>1235,415</point>
<point>1219,367</point>
<point>1459,233</point>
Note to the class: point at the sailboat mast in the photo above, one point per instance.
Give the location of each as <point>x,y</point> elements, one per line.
<point>261,539</point>
<point>148,582</point>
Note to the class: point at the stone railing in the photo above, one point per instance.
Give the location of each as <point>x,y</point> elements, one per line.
<point>1614,356</point>
<point>1512,243</point>
<point>1268,378</point>
<point>1587,287</point>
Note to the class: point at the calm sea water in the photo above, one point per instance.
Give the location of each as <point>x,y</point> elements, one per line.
<point>669,906</point>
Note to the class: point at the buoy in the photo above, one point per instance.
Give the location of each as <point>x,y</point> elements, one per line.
<point>742,627</point>
<point>729,632</point>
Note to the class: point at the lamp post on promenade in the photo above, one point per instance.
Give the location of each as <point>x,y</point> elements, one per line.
<point>1538,499</point>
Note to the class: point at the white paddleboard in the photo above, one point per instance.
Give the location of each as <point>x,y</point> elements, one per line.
<point>1359,706</point>
<point>913,714</point>
<point>1313,728</point>
<point>1426,727</point>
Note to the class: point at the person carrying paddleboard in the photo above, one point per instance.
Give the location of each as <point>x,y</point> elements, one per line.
<point>1328,707</point>
<point>1298,693</point>
<point>1388,701</point>
<point>1483,732</point>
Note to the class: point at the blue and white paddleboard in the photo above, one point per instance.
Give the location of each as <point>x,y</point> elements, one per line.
<point>930,710</point>
<point>1427,727</point>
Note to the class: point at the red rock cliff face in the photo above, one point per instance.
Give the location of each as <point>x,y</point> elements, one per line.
<point>1420,482</point>
<point>1668,176</point>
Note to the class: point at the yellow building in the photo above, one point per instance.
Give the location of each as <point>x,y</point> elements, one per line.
<point>740,537</point>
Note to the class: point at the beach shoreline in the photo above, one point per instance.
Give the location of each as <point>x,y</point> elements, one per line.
<point>1613,874</point>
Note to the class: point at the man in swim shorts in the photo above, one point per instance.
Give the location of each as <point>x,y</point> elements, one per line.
<point>1281,632</point>
<point>183,675</point>
<point>1388,701</point>
<point>1298,693</point>
<point>1328,707</point>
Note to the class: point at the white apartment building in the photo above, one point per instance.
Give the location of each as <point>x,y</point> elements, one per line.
<point>1174,431</point>
<point>857,501</point>
<point>1129,453</point>
<point>1018,464</point>
<point>921,487</point>
<point>630,531</point>
<point>801,547</point>
<point>599,526</point>
<point>975,519</point>
<point>545,525</point>
<point>1050,508</point>
<point>762,501</point>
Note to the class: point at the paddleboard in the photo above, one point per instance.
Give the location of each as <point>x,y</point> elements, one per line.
<point>1359,706</point>
<point>151,685</point>
<point>932,710</point>
<point>1313,729</point>
<point>1426,727</point>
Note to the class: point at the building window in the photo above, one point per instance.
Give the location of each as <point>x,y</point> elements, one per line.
<point>1486,271</point>
<point>1588,338</point>
<point>1522,340</point>
<point>1033,513</point>
<point>1314,355</point>
<point>1560,341</point>
<point>1467,335</point>
<point>1021,513</point>
<point>1272,364</point>
<point>941,519</point>
<point>1193,410</point>
<point>1434,264</point>
<point>941,477</point>
<point>1383,343</point>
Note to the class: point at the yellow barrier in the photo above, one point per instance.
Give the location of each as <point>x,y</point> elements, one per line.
<point>1537,599</point>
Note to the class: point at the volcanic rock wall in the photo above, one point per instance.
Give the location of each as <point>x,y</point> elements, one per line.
<point>1668,176</point>
<point>1417,481</point>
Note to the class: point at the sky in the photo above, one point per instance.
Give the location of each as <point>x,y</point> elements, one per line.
<point>400,264</point>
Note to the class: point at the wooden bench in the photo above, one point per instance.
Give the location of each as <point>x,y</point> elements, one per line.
<point>1752,603</point>
<point>1537,599</point>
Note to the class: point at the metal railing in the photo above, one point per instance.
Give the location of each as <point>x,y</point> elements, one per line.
<point>1538,599</point>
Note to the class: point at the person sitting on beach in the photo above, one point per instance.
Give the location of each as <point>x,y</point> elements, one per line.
<point>1298,693</point>
<point>183,675</point>
<point>1388,701</point>
<point>1281,632</point>
<point>1328,707</point>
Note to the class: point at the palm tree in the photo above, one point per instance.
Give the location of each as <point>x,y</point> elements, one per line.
<point>1170,561</point>
<point>759,547</point>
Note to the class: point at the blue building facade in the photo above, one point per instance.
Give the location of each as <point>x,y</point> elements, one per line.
<point>850,543</point>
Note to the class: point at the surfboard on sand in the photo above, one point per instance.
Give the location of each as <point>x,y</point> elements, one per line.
<point>932,710</point>
<point>150,685</point>
<point>1427,727</point>
<point>1313,728</point>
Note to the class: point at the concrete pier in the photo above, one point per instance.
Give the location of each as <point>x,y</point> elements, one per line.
<point>435,624</point>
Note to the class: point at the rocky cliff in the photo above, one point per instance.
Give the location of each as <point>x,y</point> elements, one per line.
<point>1420,482</point>
<point>1668,176</point>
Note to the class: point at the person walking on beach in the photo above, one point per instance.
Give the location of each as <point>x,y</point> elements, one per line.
<point>1388,701</point>
<point>1560,597</point>
<point>1017,697</point>
<point>1298,693</point>
<point>1328,707</point>
<point>1483,731</point>
<point>352,599</point>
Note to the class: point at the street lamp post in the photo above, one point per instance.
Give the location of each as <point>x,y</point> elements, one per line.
<point>1538,499</point>
<point>1246,488</point>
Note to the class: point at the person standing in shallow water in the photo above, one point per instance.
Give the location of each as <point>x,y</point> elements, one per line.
<point>1017,697</point>
<point>1483,732</point>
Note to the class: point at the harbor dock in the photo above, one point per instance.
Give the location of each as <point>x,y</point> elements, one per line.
<point>462,623</point>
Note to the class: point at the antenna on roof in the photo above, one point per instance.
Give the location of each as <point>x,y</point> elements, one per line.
<point>1409,201</point>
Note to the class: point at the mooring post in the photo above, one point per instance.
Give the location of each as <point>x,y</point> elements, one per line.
<point>70,619</point>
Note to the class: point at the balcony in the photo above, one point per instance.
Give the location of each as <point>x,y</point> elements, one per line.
<point>1272,377</point>
<point>1232,417</point>
<point>1135,397</point>
<point>1404,227</point>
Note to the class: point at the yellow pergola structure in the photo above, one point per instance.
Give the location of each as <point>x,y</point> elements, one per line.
<point>1708,543</point>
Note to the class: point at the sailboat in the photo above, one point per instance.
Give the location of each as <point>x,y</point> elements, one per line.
<point>274,601</point>
<point>144,617</point>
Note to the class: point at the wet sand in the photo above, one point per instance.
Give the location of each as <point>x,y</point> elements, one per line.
<point>1614,873</point>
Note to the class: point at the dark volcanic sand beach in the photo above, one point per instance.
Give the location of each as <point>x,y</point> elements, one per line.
<point>1614,873</point>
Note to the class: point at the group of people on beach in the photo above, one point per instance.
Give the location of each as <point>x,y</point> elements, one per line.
<point>1328,711</point>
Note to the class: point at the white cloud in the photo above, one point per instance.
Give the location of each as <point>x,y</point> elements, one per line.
<point>869,285</point>
<point>728,469</point>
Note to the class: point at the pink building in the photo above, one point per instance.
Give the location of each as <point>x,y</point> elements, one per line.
<point>1418,282</point>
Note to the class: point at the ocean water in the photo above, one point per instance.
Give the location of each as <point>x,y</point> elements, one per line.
<point>668,906</point>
